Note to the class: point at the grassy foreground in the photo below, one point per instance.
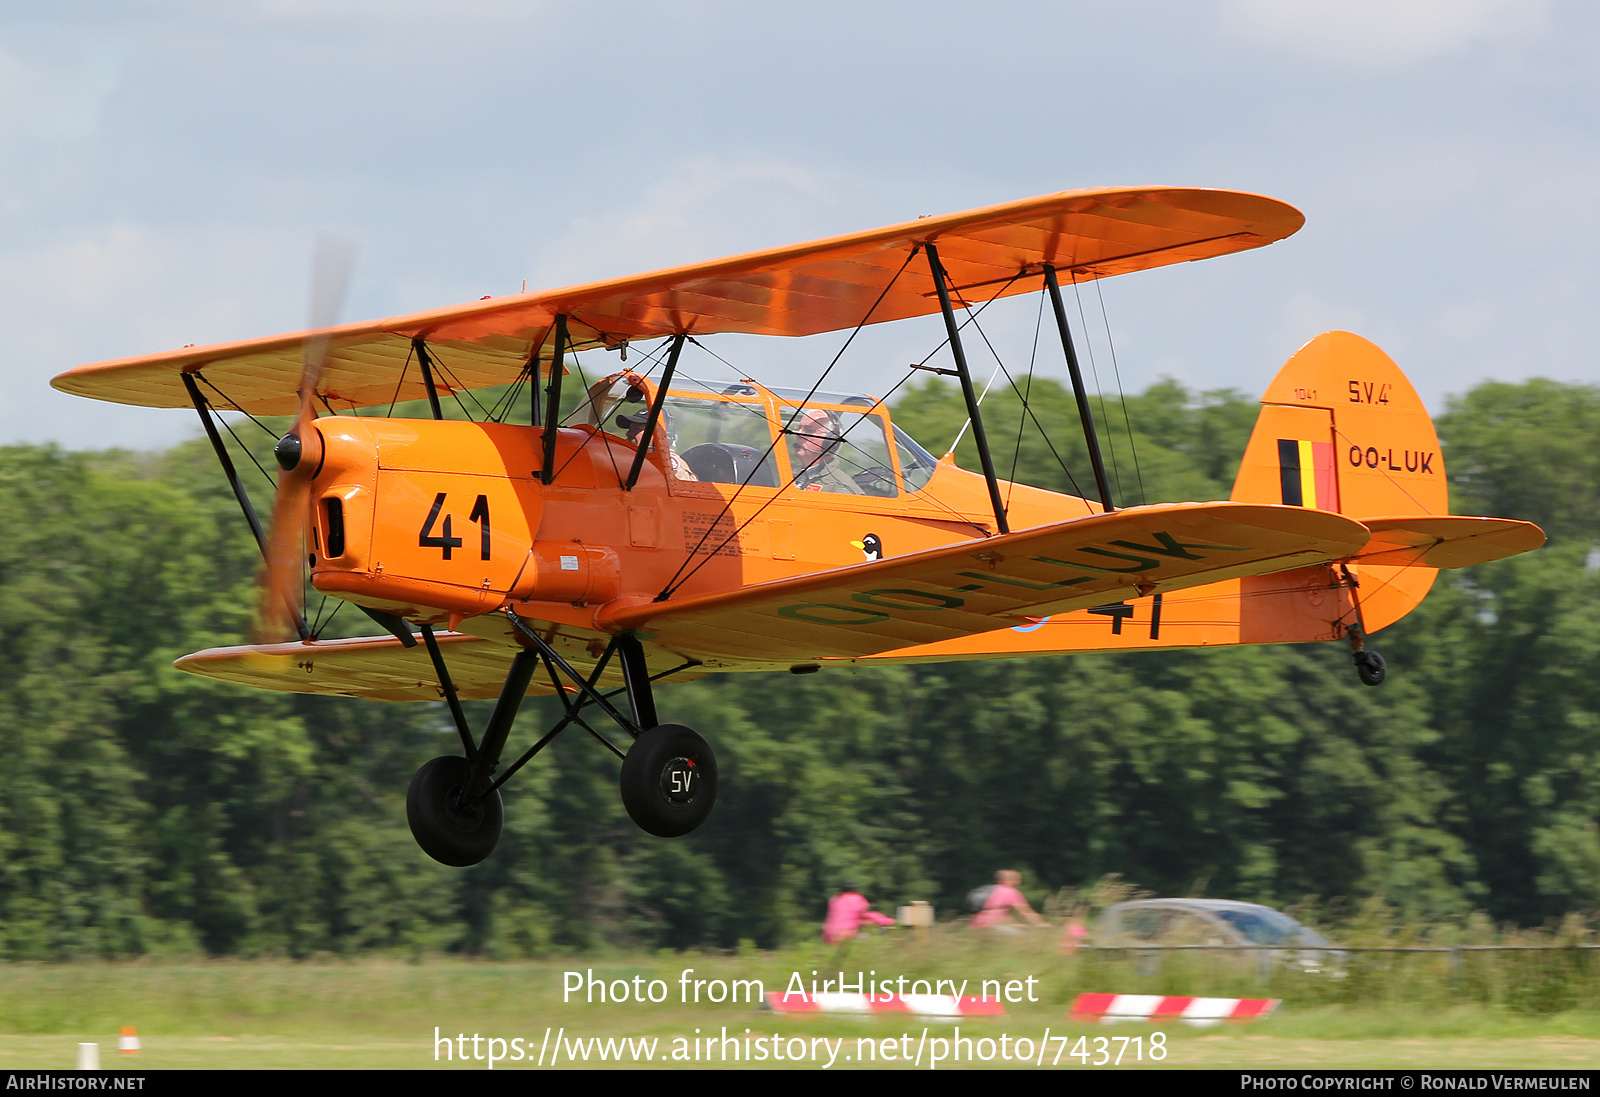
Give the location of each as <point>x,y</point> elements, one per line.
<point>383,1014</point>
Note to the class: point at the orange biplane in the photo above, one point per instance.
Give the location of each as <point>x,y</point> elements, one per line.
<point>669,528</point>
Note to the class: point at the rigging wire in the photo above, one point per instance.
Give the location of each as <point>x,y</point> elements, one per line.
<point>599,428</point>
<point>962,432</point>
<point>673,583</point>
<point>1028,409</point>
<point>247,453</point>
<point>1121,393</point>
<point>1105,416</point>
<point>865,415</point>
<point>501,408</point>
<point>233,406</point>
<point>1022,417</point>
<point>324,624</point>
<point>393,400</point>
<point>457,388</point>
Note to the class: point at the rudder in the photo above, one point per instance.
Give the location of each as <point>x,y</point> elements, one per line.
<point>1342,429</point>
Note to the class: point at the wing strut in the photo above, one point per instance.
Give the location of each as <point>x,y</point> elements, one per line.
<point>394,625</point>
<point>426,361</point>
<point>967,391</point>
<point>1082,397</point>
<point>552,414</point>
<point>202,405</point>
<point>649,432</point>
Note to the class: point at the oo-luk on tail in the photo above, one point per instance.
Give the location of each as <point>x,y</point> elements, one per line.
<point>1342,429</point>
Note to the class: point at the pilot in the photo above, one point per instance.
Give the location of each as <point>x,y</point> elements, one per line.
<point>634,426</point>
<point>814,453</point>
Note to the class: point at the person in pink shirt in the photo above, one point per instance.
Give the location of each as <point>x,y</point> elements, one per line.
<point>1004,898</point>
<point>848,911</point>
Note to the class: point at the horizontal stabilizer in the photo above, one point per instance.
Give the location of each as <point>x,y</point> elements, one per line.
<point>1453,542</point>
<point>981,585</point>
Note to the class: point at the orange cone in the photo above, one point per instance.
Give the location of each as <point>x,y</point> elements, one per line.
<point>128,1042</point>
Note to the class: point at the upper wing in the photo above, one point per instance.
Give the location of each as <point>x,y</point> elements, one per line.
<point>1450,542</point>
<point>979,586</point>
<point>801,289</point>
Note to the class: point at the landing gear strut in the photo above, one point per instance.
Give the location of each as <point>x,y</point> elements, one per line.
<point>669,773</point>
<point>1370,667</point>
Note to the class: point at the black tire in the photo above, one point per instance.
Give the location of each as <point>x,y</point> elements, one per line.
<point>669,781</point>
<point>1370,667</point>
<point>447,832</point>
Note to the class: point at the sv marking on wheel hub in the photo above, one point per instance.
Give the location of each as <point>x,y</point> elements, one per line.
<point>679,781</point>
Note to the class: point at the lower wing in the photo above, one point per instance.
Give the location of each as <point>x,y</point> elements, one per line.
<point>979,586</point>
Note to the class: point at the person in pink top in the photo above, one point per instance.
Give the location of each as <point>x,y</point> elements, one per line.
<point>1004,898</point>
<point>848,911</point>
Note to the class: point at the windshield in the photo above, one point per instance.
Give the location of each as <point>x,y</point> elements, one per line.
<point>1268,927</point>
<point>722,441</point>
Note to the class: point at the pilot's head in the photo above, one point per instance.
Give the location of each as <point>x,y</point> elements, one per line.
<point>633,425</point>
<point>816,435</point>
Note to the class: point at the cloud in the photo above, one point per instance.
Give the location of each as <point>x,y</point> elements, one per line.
<point>1369,32</point>
<point>697,208</point>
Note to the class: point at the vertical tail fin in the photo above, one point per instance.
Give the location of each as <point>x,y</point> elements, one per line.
<point>1342,429</point>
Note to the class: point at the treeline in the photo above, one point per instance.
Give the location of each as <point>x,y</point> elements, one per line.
<point>148,811</point>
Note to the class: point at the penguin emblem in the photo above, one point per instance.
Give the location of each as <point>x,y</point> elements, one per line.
<point>870,546</point>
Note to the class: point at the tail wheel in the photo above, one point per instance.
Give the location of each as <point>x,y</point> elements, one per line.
<point>669,780</point>
<point>448,831</point>
<point>1370,667</point>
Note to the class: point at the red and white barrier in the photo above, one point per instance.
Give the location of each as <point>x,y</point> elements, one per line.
<point>936,1006</point>
<point>1200,1012</point>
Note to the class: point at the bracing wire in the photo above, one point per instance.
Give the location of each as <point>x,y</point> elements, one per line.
<point>457,388</point>
<point>1121,393</point>
<point>675,582</point>
<point>395,399</point>
<point>246,449</point>
<point>1105,416</point>
<point>1028,409</point>
<point>233,406</point>
<point>1022,416</point>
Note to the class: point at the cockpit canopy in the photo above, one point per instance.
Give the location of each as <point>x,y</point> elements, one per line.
<point>728,433</point>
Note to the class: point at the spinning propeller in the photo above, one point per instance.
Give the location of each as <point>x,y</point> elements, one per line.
<point>281,612</point>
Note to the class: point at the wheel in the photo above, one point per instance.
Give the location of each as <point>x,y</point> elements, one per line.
<point>1369,666</point>
<point>669,780</point>
<point>447,832</point>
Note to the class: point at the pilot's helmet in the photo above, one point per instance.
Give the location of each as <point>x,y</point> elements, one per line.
<point>636,420</point>
<point>820,423</point>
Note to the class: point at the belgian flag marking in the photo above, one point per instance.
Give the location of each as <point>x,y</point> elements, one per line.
<point>1305,470</point>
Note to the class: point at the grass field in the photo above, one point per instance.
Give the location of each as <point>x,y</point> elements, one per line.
<point>373,1014</point>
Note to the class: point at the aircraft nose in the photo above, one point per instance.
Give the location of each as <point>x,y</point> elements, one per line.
<point>287,451</point>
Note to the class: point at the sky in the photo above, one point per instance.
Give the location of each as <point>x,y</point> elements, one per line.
<point>166,165</point>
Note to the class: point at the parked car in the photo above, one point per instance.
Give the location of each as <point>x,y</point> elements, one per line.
<point>1216,922</point>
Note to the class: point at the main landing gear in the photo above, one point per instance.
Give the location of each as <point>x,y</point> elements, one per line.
<point>669,773</point>
<point>1370,667</point>
<point>1369,664</point>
